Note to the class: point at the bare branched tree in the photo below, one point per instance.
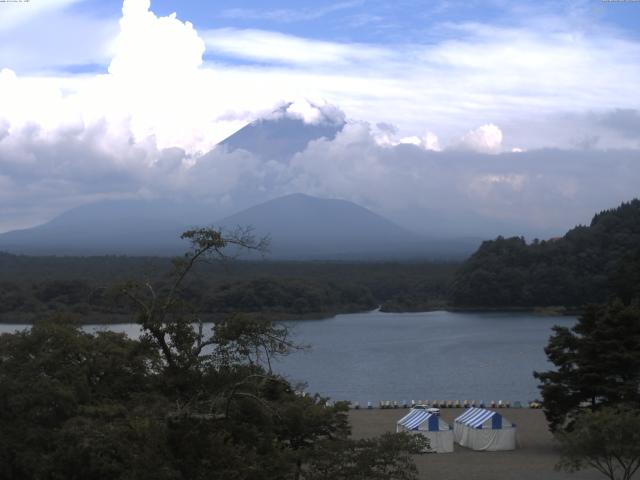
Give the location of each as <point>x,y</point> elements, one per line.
<point>166,321</point>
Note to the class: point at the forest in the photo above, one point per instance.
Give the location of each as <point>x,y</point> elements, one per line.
<point>34,287</point>
<point>577,269</point>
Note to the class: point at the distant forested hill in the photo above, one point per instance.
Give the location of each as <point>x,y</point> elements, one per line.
<point>580,268</point>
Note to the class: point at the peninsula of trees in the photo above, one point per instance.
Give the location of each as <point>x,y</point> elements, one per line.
<point>580,268</point>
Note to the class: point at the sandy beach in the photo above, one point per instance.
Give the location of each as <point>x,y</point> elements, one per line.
<point>533,460</point>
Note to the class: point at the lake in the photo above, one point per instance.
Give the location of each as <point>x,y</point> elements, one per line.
<point>435,355</point>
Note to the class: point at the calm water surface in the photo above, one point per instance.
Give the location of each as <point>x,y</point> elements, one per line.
<point>436,355</point>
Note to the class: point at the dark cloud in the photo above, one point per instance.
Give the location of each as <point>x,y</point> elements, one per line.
<point>387,128</point>
<point>624,121</point>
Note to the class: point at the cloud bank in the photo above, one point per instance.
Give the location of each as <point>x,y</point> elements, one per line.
<point>450,192</point>
<point>443,121</point>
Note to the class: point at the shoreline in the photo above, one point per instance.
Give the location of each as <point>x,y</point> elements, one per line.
<point>129,318</point>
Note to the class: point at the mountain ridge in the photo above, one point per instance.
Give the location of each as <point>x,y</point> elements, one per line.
<point>301,227</point>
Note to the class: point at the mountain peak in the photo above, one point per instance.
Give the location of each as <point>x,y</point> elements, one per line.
<point>310,113</point>
<point>301,225</point>
<point>286,131</point>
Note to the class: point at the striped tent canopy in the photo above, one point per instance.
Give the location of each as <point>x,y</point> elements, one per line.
<point>415,418</point>
<point>476,418</point>
<point>430,426</point>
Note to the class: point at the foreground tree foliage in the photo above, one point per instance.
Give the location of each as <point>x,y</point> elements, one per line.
<point>607,440</point>
<point>592,397</point>
<point>179,403</point>
<point>388,456</point>
<point>597,363</point>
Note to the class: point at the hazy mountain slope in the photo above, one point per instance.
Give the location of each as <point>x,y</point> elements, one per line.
<point>133,227</point>
<point>301,226</point>
<point>279,139</point>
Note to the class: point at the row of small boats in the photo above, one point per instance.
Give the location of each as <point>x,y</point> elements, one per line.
<point>390,404</point>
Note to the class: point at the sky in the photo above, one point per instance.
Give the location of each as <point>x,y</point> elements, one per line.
<point>522,116</point>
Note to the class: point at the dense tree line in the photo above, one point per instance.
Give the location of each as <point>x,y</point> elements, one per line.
<point>263,295</point>
<point>572,271</point>
<point>426,293</point>
<point>287,295</point>
<point>33,286</point>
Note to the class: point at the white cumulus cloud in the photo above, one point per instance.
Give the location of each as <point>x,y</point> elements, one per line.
<point>485,139</point>
<point>314,112</point>
<point>387,134</point>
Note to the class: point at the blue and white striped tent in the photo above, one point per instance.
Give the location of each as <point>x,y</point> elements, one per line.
<point>482,429</point>
<point>476,417</point>
<point>431,426</point>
